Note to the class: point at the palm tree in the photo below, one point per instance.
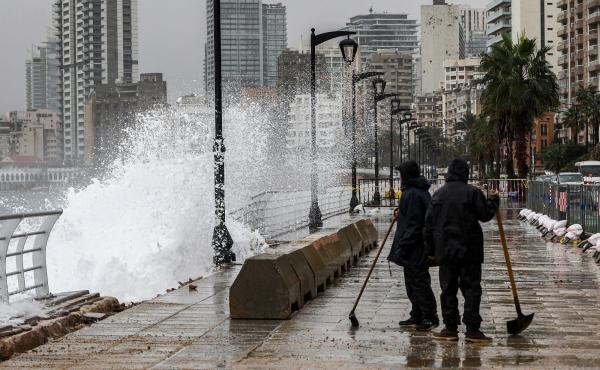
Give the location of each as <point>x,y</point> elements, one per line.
<point>588,101</point>
<point>572,119</point>
<point>481,140</point>
<point>519,87</point>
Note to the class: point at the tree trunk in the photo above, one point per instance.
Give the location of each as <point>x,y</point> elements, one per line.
<point>521,154</point>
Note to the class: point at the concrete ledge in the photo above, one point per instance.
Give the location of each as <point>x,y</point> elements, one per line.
<point>273,285</point>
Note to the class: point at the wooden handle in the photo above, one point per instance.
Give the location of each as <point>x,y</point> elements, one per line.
<point>511,277</point>
<point>373,265</point>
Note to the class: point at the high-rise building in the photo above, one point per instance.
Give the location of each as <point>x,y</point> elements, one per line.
<point>537,20</point>
<point>441,39</point>
<point>384,31</point>
<point>98,45</point>
<point>473,27</point>
<point>398,73</point>
<point>577,46</point>
<point>293,74</point>
<point>499,20</point>
<point>461,72</point>
<point>274,39</point>
<point>251,41</point>
<point>112,107</point>
<point>42,77</point>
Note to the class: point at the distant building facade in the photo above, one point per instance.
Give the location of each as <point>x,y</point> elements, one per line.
<point>473,28</point>
<point>42,77</point>
<point>35,133</point>
<point>274,31</point>
<point>111,108</point>
<point>329,123</point>
<point>98,44</point>
<point>253,35</point>
<point>499,20</point>
<point>384,31</point>
<point>461,72</point>
<point>441,39</point>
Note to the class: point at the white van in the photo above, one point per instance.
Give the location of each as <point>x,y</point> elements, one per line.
<point>590,171</point>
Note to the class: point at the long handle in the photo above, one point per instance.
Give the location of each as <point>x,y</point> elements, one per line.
<point>511,277</point>
<point>373,266</point>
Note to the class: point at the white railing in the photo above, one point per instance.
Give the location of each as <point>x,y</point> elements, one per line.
<point>274,213</point>
<point>23,240</point>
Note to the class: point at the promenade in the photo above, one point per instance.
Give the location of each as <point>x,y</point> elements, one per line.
<point>191,329</point>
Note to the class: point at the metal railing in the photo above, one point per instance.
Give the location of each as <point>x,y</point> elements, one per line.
<point>578,204</point>
<point>510,190</point>
<point>23,240</point>
<point>274,213</point>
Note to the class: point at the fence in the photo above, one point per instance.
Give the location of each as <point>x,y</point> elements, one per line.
<point>510,190</point>
<point>23,240</point>
<point>579,204</point>
<point>274,213</point>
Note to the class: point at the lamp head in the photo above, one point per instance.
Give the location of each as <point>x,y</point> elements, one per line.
<point>379,86</point>
<point>348,47</point>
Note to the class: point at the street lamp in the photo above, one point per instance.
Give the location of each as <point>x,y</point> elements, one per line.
<point>378,95</point>
<point>348,47</point>
<point>356,78</point>
<point>314,215</point>
<point>221,241</point>
<point>407,118</point>
<point>394,110</point>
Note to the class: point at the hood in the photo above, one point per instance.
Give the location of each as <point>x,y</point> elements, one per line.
<point>458,171</point>
<point>417,182</point>
<point>411,176</point>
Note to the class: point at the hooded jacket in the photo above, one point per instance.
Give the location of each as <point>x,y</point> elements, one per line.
<point>452,231</point>
<point>408,248</point>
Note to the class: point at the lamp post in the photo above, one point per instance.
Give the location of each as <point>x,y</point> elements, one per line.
<point>394,110</point>
<point>356,78</point>
<point>221,241</point>
<point>407,118</point>
<point>378,95</point>
<point>314,215</point>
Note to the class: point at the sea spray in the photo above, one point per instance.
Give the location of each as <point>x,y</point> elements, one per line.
<point>147,222</point>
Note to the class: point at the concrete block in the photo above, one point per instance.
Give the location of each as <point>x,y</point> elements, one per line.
<point>308,282</point>
<point>367,230</point>
<point>266,287</point>
<point>353,237</point>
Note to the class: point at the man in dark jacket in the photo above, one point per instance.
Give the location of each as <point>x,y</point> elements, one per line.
<point>454,238</point>
<point>408,248</point>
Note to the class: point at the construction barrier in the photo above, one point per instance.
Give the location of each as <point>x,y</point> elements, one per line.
<point>271,286</point>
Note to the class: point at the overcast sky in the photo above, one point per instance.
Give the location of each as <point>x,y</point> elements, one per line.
<point>171,35</point>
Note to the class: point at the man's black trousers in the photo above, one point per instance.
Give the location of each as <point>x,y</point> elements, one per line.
<point>467,277</point>
<point>418,289</point>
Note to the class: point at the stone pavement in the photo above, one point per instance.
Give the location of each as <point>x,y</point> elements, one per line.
<point>185,330</point>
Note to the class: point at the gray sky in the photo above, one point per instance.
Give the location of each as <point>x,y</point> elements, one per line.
<point>171,35</point>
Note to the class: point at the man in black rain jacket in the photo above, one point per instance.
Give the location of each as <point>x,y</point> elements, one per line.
<point>408,249</point>
<point>454,238</point>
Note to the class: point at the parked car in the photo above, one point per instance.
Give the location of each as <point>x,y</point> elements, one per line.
<point>570,178</point>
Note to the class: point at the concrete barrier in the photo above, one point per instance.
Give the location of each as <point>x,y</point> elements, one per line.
<point>368,231</point>
<point>274,284</point>
<point>266,288</point>
<point>354,238</point>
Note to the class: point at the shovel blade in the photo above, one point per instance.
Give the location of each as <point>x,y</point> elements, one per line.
<point>519,324</point>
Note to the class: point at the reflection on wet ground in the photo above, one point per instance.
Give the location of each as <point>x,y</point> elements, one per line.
<point>192,330</point>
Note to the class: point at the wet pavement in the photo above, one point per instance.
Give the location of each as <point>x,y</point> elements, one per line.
<point>186,329</point>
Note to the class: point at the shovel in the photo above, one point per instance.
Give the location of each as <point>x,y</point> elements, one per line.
<point>522,321</point>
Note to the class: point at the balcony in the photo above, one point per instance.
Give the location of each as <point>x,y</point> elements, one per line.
<point>593,49</point>
<point>594,66</point>
<point>492,5</point>
<point>498,14</point>
<point>500,27</point>
<point>594,17</point>
<point>562,31</point>
<point>562,17</point>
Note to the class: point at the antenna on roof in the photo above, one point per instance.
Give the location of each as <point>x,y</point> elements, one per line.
<point>371,10</point>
